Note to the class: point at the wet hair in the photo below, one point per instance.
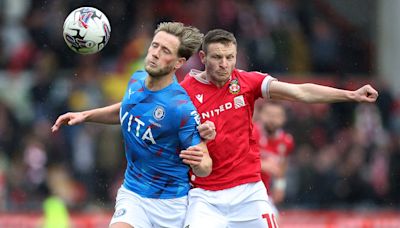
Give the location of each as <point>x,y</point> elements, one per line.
<point>190,37</point>
<point>218,36</point>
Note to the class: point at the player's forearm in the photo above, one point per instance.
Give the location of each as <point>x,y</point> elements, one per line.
<point>313,93</point>
<point>204,168</point>
<point>105,115</point>
<point>309,93</point>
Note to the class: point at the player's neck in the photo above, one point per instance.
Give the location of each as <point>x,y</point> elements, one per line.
<point>218,84</point>
<point>158,83</point>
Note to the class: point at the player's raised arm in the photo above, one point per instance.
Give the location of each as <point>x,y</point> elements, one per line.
<point>313,93</point>
<point>198,158</point>
<point>106,115</point>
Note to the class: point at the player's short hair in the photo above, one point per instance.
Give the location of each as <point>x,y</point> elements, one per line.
<point>218,36</point>
<point>190,37</point>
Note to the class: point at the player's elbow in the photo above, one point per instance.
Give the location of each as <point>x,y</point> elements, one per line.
<point>302,93</point>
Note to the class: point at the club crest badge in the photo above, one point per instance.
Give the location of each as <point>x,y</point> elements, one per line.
<point>234,86</point>
<point>159,113</point>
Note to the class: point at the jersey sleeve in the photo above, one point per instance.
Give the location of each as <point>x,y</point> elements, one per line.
<point>260,83</point>
<point>189,120</point>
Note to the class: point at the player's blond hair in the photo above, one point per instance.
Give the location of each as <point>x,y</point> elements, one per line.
<point>218,36</point>
<point>190,37</point>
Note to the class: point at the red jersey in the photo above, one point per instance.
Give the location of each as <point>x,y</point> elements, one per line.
<point>235,160</point>
<point>276,147</point>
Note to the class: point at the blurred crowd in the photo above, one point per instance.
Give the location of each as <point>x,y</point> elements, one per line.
<point>346,155</point>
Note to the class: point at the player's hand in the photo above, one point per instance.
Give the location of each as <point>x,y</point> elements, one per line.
<point>366,94</point>
<point>70,118</point>
<point>192,156</point>
<point>207,130</point>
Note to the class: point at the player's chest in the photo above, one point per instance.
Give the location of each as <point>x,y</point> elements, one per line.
<point>146,113</point>
<point>212,103</point>
<point>144,104</point>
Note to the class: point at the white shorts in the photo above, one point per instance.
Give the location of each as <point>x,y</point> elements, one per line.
<point>242,206</point>
<point>141,212</point>
<point>274,208</point>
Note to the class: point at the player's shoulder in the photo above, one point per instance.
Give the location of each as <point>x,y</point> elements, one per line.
<point>139,75</point>
<point>182,102</point>
<point>244,73</point>
<point>191,75</point>
<point>178,90</point>
<point>194,73</point>
<point>137,78</point>
<point>196,76</point>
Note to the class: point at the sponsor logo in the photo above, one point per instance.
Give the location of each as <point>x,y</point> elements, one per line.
<point>159,113</point>
<point>239,102</point>
<point>147,135</point>
<point>216,111</point>
<point>119,213</point>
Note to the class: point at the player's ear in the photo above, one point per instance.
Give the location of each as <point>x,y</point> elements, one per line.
<point>180,63</point>
<point>202,56</point>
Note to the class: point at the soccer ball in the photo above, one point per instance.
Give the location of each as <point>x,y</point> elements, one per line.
<point>86,30</point>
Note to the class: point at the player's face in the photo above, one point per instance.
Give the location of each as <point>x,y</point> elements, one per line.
<point>272,117</point>
<point>162,55</point>
<point>219,62</point>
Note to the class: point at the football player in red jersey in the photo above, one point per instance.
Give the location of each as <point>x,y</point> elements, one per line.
<point>233,195</point>
<point>275,145</point>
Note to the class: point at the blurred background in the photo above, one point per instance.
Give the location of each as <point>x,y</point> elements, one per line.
<point>345,168</point>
